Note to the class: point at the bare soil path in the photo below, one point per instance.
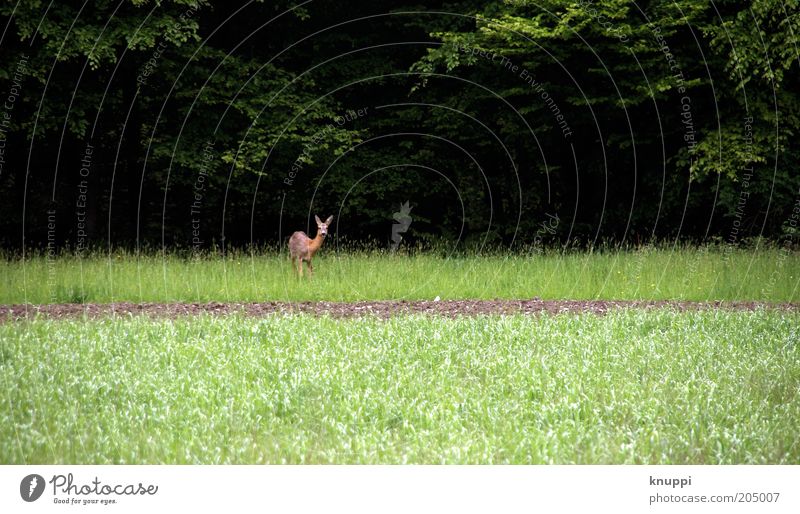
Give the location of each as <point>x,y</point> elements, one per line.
<point>383,309</point>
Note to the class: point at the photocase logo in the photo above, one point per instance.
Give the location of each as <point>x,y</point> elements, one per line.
<point>403,221</point>
<point>31,487</point>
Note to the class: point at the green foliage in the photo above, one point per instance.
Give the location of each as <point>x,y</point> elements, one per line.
<point>631,386</point>
<point>647,273</point>
<point>719,86</point>
<point>486,116</point>
<point>98,32</point>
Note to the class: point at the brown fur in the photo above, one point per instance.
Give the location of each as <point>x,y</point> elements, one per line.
<point>302,248</point>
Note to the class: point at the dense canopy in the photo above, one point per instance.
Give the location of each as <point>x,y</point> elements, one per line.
<point>192,123</point>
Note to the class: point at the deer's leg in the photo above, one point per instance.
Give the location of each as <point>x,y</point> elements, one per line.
<point>310,269</point>
<point>300,266</point>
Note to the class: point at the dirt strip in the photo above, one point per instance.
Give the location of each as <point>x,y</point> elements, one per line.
<point>383,309</point>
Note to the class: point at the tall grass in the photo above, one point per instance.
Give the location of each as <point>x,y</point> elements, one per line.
<point>632,386</point>
<point>689,273</point>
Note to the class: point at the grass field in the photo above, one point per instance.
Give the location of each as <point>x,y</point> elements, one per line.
<point>632,386</point>
<point>686,273</point>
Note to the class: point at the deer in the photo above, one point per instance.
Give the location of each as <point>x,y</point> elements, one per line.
<point>302,248</point>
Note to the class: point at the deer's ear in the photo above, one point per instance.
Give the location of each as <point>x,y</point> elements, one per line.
<point>319,221</point>
<point>328,221</point>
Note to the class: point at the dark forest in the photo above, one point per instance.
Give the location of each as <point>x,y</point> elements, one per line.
<point>192,124</point>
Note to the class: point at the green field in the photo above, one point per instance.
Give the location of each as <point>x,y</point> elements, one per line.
<point>632,386</point>
<point>706,273</point>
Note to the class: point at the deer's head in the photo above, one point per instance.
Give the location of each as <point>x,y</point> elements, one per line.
<point>322,228</point>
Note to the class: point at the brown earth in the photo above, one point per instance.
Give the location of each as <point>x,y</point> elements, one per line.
<point>382,309</point>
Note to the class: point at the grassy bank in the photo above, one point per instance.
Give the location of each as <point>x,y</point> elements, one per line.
<point>628,387</point>
<point>651,274</point>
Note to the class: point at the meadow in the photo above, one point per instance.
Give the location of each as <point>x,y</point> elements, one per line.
<point>631,386</point>
<point>767,274</point>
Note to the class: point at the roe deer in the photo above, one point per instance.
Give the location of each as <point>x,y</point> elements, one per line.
<point>302,248</point>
